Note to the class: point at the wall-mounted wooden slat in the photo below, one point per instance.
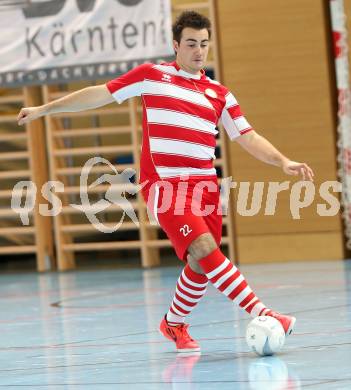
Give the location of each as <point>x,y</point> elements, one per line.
<point>95,169</point>
<point>13,137</point>
<point>20,174</point>
<point>17,230</point>
<point>7,99</point>
<point>17,249</point>
<point>10,193</point>
<point>9,213</point>
<point>88,227</point>
<point>95,210</point>
<point>100,189</point>
<point>8,118</point>
<point>92,150</point>
<point>14,156</point>
<point>92,131</point>
<point>97,111</point>
<point>103,246</point>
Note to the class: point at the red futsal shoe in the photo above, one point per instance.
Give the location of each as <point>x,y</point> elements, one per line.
<point>288,322</point>
<point>180,336</point>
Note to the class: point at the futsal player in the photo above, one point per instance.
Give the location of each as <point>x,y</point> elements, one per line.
<point>181,110</point>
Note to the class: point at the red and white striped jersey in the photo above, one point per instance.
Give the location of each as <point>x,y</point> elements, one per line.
<point>180,115</point>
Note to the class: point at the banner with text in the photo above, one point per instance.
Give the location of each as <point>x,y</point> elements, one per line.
<point>63,40</point>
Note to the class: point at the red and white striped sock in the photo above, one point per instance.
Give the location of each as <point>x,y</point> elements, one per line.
<point>191,286</point>
<point>229,281</point>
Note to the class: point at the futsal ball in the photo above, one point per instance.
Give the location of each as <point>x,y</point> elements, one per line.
<point>265,335</point>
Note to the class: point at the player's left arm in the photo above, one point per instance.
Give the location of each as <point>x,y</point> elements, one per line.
<point>263,150</point>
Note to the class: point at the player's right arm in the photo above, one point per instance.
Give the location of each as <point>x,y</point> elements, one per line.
<point>84,99</point>
<point>124,87</point>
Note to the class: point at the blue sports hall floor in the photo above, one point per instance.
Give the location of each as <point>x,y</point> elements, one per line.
<point>97,329</point>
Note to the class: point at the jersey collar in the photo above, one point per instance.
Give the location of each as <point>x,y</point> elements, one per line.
<point>188,75</point>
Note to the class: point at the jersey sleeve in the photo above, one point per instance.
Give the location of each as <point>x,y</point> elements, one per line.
<point>129,84</point>
<point>233,119</point>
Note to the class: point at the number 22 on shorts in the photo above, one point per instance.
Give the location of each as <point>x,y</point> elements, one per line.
<point>185,230</point>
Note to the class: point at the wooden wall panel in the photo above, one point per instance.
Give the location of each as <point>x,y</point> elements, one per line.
<point>275,59</point>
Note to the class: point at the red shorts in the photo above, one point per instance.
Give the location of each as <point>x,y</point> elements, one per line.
<point>185,210</point>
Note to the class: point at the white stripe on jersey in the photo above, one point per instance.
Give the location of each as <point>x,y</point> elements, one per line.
<point>127,92</point>
<point>230,100</point>
<point>166,69</point>
<point>181,148</point>
<point>158,88</point>
<point>164,172</point>
<point>179,119</point>
<point>174,71</point>
<point>241,123</point>
<point>229,125</point>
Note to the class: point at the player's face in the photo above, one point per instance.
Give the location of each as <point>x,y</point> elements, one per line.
<point>192,50</point>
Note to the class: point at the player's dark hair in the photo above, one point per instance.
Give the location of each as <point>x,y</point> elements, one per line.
<point>190,19</point>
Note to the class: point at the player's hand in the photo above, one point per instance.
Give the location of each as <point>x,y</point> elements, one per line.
<point>28,114</point>
<point>296,168</point>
